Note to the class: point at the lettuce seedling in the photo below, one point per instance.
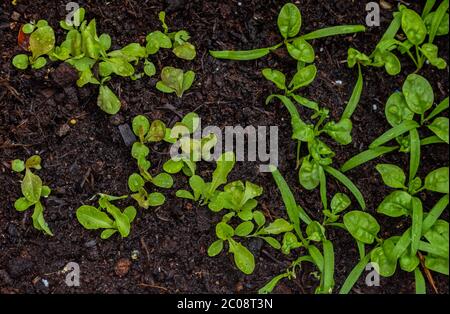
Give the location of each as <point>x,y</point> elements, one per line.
<point>206,192</point>
<point>147,133</point>
<point>416,29</point>
<point>314,165</point>
<point>177,41</point>
<point>39,39</point>
<point>90,55</point>
<point>176,81</point>
<point>107,216</point>
<point>33,190</point>
<point>415,99</point>
<point>192,149</point>
<point>289,25</point>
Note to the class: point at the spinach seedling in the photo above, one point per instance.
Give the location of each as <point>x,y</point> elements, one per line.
<point>407,250</point>
<point>323,260</point>
<point>39,39</point>
<point>147,133</point>
<point>416,29</point>
<point>314,165</point>
<point>107,216</point>
<point>289,25</point>
<point>176,81</point>
<point>33,190</point>
<point>416,98</point>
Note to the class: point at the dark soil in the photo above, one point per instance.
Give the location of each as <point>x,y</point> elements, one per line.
<point>90,157</point>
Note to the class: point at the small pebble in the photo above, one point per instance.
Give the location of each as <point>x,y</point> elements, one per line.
<point>127,134</point>
<point>375,107</point>
<point>45,282</point>
<point>338,82</point>
<point>63,130</point>
<point>73,121</point>
<point>122,267</point>
<point>135,255</point>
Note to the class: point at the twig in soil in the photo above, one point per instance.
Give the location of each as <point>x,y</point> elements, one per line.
<point>12,90</point>
<point>145,247</point>
<point>144,285</point>
<point>428,273</point>
<point>271,257</point>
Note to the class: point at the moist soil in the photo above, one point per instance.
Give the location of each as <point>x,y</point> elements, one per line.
<point>170,242</point>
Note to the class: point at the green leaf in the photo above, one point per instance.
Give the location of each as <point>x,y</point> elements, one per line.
<point>244,229</point>
<point>315,232</point>
<point>244,55</point>
<point>309,174</point>
<point>414,157</point>
<point>301,50</point>
<point>22,204</point>
<point>393,133</point>
<point>440,128</point>
<point>348,184</point>
<point>362,226</point>
<point>354,275</point>
<point>421,286</point>
<point>130,212</point>
<point>290,242</point>
<point>225,164</point>
<point>391,63</point>
<point>303,77</point>
<point>191,121</point>
<point>18,165</point>
<point>139,150</point>
<point>340,131</point>
<point>379,257</point>
<point>243,258</point>
<point>437,180</point>
<point>105,41</point>
<point>276,77</point>
<point>42,41</point>
<point>443,105</point>
<point>31,187</point>
<point>215,248</point>
<point>355,97</point>
<point>333,31</point>
<point>173,166</point>
<point>328,267</point>
<point>157,131</point>
<point>163,180</point>
<point>149,69</point>
<point>92,218</point>
<point>21,61</point>
<point>306,102</point>
<point>157,40</point>
<point>156,199</point>
<point>188,80</point>
<point>28,28</point>
<point>418,93</point>
<point>440,14</point>
<point>39,222</point>
<point>413,26</point>
<point>434,214</point>
<point>409,263</point>
<point>340,202</point>
<point>277,227</point>
<point>416,227</point>
<point>430,51</point>
<point>443,27</point>
<point>397,110</point>
<point>185,51</point>
<point>396,204</point>
<point>198,186</point>
<point>108,233</point>
<point>259,218</point>
<point>108,101</point>
<point>289,20</point>
<point>272,242</point>
<point>135,182</point>
<point>366,156</point>
<point>437,264</point>
<point>224,231</point>
<point>140,126</point>
<point>393,176</point>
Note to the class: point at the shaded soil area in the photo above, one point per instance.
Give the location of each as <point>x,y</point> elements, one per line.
<point>90,157</point>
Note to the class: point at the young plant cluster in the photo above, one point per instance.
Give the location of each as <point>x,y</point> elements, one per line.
<point>33,191</point>
<point>91,55</point>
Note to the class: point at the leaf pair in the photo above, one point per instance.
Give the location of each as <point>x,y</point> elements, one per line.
<point>176,81</point>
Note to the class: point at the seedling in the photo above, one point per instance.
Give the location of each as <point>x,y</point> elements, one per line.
<point>39,39</point>
<point>174,80</point>
<point>416,29</point>
<point>147,133</point>
<point>90,55</point>
<point>33,190</point>
<point>314,165</point>
<point>405,249</point>
<point>416,98</point>
<point>289,25</point>
<point>204,192</point>
<point>107,216</point>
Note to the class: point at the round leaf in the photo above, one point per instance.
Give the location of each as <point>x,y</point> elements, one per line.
<point>362,226</point>
<point>289,20</point>
<point>418,93</point>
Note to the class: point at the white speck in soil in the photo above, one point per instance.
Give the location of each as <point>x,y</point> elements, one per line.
<point>45,282</point>
<point>375,107</point>
<point>338,82</point>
